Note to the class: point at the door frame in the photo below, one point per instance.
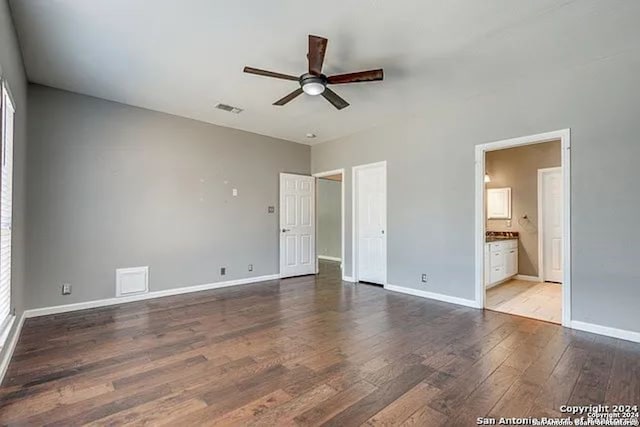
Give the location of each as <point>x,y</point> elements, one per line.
<point>564,135</point>
<point>354,218</point>
<point>342,219</point>
<point>541,222</point>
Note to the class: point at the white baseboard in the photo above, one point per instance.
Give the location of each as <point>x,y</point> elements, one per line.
<point>330,258</point>
<point>348,279</point>
<point>528,278</point>
<point>36,312</point>
<point>493,285</point>
<point>606,330</point>
<point>432,295</point>
<point>517,276</point>
<point>11,342</point>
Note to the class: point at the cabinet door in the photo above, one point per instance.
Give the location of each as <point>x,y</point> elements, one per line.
<point>511,262</point>
<point>497,274</point>
<point>487,265</point>
<point>497,259</point>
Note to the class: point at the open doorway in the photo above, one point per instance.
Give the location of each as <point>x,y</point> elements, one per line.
<point>522,241</point>
<point>330,221</point>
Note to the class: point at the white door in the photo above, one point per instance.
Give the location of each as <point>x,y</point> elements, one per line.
<point>297,225</point>
<point>371,222</point>
<point>551,217</point>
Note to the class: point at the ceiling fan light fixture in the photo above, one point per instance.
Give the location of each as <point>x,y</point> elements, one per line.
<point>313,88</point>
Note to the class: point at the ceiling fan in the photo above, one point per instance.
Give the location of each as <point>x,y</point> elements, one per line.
<point>314,82</point>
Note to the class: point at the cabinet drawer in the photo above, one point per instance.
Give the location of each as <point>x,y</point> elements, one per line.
<point>505,244</point>
<point>496,246</point>
<point>497,259</point>
<point>497,274</point>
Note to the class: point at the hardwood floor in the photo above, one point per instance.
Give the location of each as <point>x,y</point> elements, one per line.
<point>542,301</point>
<point>305,351</point>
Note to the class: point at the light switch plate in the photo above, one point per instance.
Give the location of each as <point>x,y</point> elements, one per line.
<point>234,192</point>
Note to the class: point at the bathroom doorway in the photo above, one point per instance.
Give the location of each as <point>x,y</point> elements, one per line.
<point>522,239</point>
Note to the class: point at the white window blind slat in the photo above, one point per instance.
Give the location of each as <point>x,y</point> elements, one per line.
<point>6,205</point>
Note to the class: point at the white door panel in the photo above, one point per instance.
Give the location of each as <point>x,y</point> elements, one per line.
<point>290,209</point>
<point>551,210</point>
<point>371,218</point>
<point>297,225</point>
<point>305,211</point>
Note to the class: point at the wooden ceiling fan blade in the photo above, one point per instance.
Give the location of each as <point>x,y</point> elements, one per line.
<point>334,99</point>
<point>289,97</point>
<point>360,76</point>
<point>266,73</point>
<point>317,49</point>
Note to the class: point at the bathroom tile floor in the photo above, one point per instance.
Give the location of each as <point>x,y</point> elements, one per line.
<point>542,301</point>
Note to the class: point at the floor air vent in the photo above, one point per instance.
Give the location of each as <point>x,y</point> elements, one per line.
<point>131,281</point>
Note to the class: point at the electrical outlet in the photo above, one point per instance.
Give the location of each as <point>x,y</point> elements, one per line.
<point>250,267</point>
<point>424,278</point>
<point>271,209</point>
<point>223,271</point>
<point>66,289</point>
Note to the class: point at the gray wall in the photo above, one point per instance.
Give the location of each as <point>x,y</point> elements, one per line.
<point>116,186</point>
<point>430,159</point>
<point>518,168</point>
<point>329,218</point>
<point>12,70</point>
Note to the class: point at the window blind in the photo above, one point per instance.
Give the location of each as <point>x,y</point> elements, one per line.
<point>6,198</point>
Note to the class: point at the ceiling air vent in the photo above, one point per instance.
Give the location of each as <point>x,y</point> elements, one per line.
<point>229,108</point>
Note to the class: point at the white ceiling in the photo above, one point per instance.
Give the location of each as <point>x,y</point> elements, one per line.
<point>184,57</point>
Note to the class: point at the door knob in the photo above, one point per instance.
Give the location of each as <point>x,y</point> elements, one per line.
<point>284,230</point>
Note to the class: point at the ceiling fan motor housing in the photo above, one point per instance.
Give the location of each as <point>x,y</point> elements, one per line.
<point>312,84</point>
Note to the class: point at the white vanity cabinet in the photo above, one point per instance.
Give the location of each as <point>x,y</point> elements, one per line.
<point>500,261</point>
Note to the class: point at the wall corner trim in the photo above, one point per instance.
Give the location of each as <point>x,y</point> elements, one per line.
<point>37,312</point>
<point>348,279</point>
<point>622,334</point>
<point>432,295</point>
<point>11,343</point>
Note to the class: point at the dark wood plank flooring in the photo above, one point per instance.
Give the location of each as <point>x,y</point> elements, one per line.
<point>305,351</point>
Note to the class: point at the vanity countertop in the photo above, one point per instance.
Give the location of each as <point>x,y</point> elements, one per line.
<point>497,236</point>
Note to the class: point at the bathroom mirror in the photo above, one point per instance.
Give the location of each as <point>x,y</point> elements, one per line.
<point>499,203</point>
